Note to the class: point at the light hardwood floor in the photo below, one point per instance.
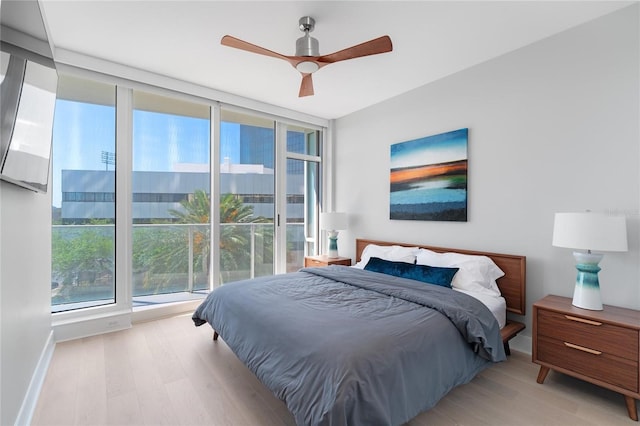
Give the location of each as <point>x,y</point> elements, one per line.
<point>168,372</point>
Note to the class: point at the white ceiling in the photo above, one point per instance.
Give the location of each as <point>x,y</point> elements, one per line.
<point>181,39</point>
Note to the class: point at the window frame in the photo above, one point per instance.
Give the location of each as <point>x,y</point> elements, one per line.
<point>119,315</point>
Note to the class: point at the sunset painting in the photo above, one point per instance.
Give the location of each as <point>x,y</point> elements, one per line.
<point>428,179</point>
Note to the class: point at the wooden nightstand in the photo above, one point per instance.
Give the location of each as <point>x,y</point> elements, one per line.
<point>600,347</point>
<point>324,260</point>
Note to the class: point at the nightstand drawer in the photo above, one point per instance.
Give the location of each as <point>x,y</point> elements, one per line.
<point>600,347</point>
<point>311,263</point>
<point>614,340</point>
<point>589,362</point>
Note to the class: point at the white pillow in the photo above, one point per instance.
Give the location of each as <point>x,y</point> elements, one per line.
<point>392,253</point>
<point>476,273</point>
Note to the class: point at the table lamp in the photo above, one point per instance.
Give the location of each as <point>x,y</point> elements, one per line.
<point>589,231</point>
<point>332,223</point>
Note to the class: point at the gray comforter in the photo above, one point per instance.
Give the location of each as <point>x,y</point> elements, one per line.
<point>344,346</point>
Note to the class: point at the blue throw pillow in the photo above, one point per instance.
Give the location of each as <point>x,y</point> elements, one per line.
<point>428,274</point>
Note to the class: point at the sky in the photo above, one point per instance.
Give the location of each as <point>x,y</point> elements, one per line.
<point>83,131</point>
<point>441,148</point>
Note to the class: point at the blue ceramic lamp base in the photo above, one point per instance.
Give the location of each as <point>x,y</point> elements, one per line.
<point>587,292</point>
<point>333,244</point>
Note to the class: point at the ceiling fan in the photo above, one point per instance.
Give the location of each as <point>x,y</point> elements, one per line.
<point>307,60</point>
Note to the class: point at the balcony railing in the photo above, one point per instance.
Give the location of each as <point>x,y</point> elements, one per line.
<point>171,260</point>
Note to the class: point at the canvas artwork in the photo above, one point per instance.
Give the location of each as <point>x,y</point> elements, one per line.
<point>428,179</point>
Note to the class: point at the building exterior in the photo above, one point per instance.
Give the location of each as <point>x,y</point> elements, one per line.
<point>90,194</point>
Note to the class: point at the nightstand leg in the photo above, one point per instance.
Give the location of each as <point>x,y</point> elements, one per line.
<point>631,407</point>
<point>542,374</point>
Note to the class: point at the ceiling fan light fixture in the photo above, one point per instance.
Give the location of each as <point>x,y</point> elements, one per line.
<point>307,67</point>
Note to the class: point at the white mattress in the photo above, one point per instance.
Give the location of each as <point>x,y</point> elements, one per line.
<point>497,305</point>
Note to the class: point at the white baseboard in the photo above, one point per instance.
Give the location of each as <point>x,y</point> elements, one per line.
<point>521,343</point>
<point>165,310</point>
<point>80,327</point>
<point>35,385</point>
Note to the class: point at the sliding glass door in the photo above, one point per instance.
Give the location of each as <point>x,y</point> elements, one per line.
<point>170,199</point>
<point>247,196</point>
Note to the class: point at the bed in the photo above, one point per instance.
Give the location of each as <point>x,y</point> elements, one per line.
<point>348,346</point>
<point>512,285</point>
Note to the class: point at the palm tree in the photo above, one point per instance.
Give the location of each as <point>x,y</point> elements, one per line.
<point>161,254</point>
<point>235,242</point>
<point>195,210</point>
<point>234,239</point>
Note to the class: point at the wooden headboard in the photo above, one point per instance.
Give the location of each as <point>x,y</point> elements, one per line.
<point>512,284</point>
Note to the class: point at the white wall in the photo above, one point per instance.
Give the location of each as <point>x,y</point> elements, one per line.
<point>25,298</point>
<point>552,127</point>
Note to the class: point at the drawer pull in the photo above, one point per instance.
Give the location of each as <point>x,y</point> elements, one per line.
<point>586,321</point>
<point>582,348</point>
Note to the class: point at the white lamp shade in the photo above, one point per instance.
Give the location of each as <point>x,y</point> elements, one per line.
<point>590,231</point>
<point>333,221</point>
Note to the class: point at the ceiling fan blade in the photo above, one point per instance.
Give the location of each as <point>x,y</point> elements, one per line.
<point>231,41</point>
<point>371,47</point>
<point>306,87</point>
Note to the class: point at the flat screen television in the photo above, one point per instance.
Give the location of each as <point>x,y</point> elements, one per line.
<point>27,103</point>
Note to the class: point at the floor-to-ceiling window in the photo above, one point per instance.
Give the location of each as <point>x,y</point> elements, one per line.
<point>172,246</point>
<point>170,199</point>
<point>303,194</point>
<point>83,195</point>
<point>246,190</point>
